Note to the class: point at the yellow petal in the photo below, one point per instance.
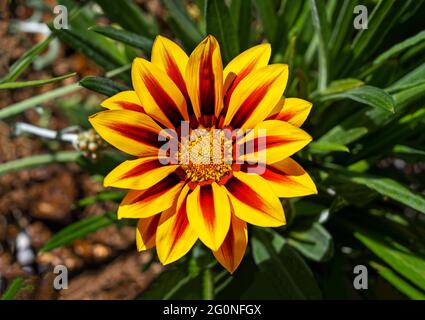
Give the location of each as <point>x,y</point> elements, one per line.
<point>254,201</point>
<point>249,60</point>
<point>130,131</point>
<point>138,174</point>
<point>175,236</point>
<point>127,100</point>
<point>209,214</point>
<point>204,78</point>
<point>286,177</point>
<point>292,110</point>
<point>146,203</point>
<point>272,141</point>
<point>170,57</point>
<point>145,232</point>
<point>233,247</point>
<point>251,99</point>
<point>159,95</point>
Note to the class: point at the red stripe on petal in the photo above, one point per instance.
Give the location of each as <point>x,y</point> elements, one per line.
<point>142,168</point>
<point>151,229</point>
<point>136,133</point>
<point>235,82</point>
<point>245,194</point>
<point>130,106</point>
<point>181,225</point>
<point>162,99</point>
<point>249,105</point>
<point>158,189</point>
<point>207,204</point>
<point>206,84</point>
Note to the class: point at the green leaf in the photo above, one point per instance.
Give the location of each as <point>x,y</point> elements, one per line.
<point>267,13</point>
<point>392,189</point>
<point>368,95</point>
<point>103,85</point>
<point>398,282</point>
<point>220,25</point>
<point>313,242</point>
<point>240,11</point>
<point>400,47</point>
<point>91,50</point>
<point>34,83</point>
<point>13,289</point>
<point>38,160</point>
<point>129,16</point>
<point>408,150</point>
<point>399,258</point>
<point>101,196</point>
<point>207,285</point>
<point>25,60</point>
<point>320,23</point>
<point>380,21</point>
<point>181,19</point>
<point>283,269</point>
<point>79,230</point>
<point>341,136</point>
<point>342,85</point>
<point>127,37</point>
<point>325,147</point>
<point>32,102</point>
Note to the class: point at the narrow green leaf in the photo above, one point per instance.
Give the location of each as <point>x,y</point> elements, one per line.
<point>34,83</point>
<point>323,146</point>
<point>267,13</point>
<point>241,14</point>
<point>400,47</point>
<point>408,150</point>
<point>103,85</point>
<point>313,242</point>
<point>283,269</point>
<point>368,95</point>
<point>180,17</point>
<point>32,102</point>
<point>79,230</point>
<point>25,60</point>
<point>93,51</point>
<point>129,16</point>
<point>398,282</point>
<point>127,37</point>
<point>101,196</point>
<point>220,24</point>
<point>392,189</point>
<point>322,31</point>
<point>37,161</point>
<point>399,258</point>
<point>342,85</point>
<point>13,289</point>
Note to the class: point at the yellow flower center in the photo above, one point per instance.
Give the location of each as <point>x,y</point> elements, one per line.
<point>207,156</point>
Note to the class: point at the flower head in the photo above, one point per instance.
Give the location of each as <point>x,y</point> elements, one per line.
<point>212,148</point>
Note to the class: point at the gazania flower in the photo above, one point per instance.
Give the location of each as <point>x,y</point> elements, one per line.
<point>178,202</point>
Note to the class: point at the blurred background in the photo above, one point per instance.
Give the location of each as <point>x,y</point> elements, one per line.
<point>367,88</point>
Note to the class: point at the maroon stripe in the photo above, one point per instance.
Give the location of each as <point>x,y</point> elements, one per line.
<point>130,106</point>
<point>252,146</point>
<point>158,189</point>
<point>150,231</point>
<point>206,83</point>
<point>249,105</point>
<point>141,169</point>
<point>245,194</point>
<point>136,133</point>
<point>162,99</point>
<point>228,244</point>
<point>236,80</point>
<point>175,74</point>
<point>181,224</point>
<point>207,204</point>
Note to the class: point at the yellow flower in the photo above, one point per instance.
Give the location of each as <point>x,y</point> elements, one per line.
<point>179,201</point>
